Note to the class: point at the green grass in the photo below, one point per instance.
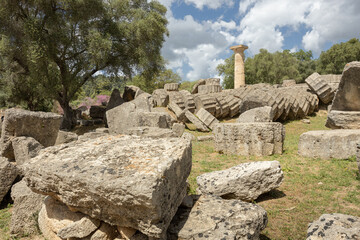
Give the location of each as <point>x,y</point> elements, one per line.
<point>5,216</point>
<point>311,187</point>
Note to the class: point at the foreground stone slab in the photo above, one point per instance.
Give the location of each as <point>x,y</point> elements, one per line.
<point>245,182</point>
<point>41,126</point>
<point>8,174</point>
<point>216,218</point>
<point>333,227</point>
<point>27,205</point>
<point>261,114</point>
<point>326,144</point>
<point>123,180</point>
<point>343,119</point>
<point>347,97</point>
<point>260,139</point>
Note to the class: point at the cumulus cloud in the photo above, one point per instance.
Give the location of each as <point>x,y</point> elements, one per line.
<point>213,4</point>
<point>197,45</point>
<point>326,21</point>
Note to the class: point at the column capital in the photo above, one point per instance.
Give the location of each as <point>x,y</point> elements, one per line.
<point>239,48</point>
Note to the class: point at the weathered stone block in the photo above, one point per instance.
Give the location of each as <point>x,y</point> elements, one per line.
<point>65,137</point>
<point>25,148</point>
<point>209,120</point>
<point>343,119</point>
<point>55,216</point>
<point>179,113</point>
<point>245,182</point>
<point>198,124</point>
<point>326,144</point>
<point>161,97</point>
<point>260,139</point>
<point>320,87</point>
<point>131,92</point>
<point>41,126</point>
<point>123,180</point>
<point>333,227</point>
<point>347,97</point>
<point>27,205</point>
<point>207,102</point>
<point>151,132</point>
<point>171,87</point>
<point>261,114</point>
<point>8,174</point>
<point>206,89</point>
<point>215,218</point>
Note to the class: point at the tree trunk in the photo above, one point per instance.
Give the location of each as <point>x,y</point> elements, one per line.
<point>68,120</point>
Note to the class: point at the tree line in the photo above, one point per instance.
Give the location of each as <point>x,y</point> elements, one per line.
<point>273,68</point>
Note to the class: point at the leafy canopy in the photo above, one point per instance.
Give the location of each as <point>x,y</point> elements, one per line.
<point>58,45</point>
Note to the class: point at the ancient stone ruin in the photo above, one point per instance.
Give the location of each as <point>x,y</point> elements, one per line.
<point>129,180</point>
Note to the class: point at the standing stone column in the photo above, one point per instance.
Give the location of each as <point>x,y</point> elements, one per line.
<point>239,76</point>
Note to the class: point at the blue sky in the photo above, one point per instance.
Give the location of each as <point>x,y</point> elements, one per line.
<point>202,31</point>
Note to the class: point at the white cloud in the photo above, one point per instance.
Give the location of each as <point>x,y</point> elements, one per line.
<point>327,21</point>
<point>197,45</point>
<point>213,4</point>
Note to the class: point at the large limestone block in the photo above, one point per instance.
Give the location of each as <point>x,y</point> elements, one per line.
<point>347,97</point>
<point>125,116</point>
<point>207,102</point>
<point>245,182</point>
<point>25,148</point>
<point>65,137</point>
<point>212,81</point>
<point>326,144</point>
<point>123,180</point>
<point>171,87</point>
<point>41,126</point>
<point>207,89</point>
<point>333,227</point>
<point>161,97</point>
<point>196,86</point>
<point>209,120</point>
<point>151,132</point>
<point>260,139</point>
<point>55,217</point>
<point>288,83</point>
<point>27,205</point>
<point>179,113</point>
<point>216,218</point>
<point>320,87</point>
<point>261,114</point>
<point>115,100</point>
<point>198,124</point>
<point>343,119</point>
<point>8,174</point>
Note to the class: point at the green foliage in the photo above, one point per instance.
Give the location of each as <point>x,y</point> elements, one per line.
<point>333,60</point>
<point>102,85</point>
<point>273,68</point>
<point>157,81</point>
<point>227,69</point>
<point>56,46</point>
<point>187,85</point>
